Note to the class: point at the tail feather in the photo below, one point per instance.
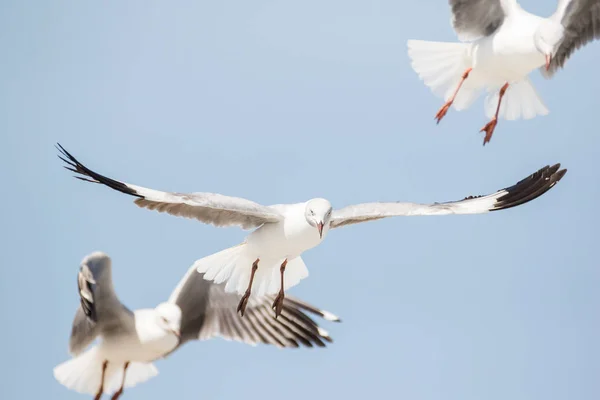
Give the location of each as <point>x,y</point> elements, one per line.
<point>220,266</point>
<point>521,100</point>
<point>84,372</point>
<point>234,266</point>
<point>441,65</point>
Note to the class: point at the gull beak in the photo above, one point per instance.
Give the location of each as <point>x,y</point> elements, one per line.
<point>176,333</point>
<point>320,228</point>
<point>548,61</point>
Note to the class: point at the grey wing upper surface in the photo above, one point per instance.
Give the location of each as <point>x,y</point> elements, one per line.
<point>208,311</point>
<point>472,19</point>
<point>581,22</point>
<point>99,309</point>
<point>210,208</point>
<point>522,192</point>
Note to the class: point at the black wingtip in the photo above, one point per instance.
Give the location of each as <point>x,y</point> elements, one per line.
<point>530,188</point>
<point>86,174</point>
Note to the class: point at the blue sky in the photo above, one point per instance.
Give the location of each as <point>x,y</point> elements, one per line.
<point>281,102</point>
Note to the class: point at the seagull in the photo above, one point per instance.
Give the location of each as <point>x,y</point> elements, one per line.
<point>283,232</point>
<point>502,45</point>
<point>196,310</point>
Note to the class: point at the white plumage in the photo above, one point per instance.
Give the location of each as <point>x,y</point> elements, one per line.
<point>268,261</point>
<point>129,341</point>
<point>505,44</point>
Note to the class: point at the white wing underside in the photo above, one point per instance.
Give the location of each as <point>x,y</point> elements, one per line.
<point>524,191</point>
<point>210,208</point>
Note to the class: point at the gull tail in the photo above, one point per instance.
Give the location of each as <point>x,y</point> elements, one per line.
<point>521,100</point>
<point>441,65</point>
<point>84,372</point>
<point>234,266</point>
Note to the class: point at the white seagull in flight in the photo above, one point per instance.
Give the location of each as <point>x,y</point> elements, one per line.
<point>504,45</point>
<point>197,310</point>
<point>284,231</point>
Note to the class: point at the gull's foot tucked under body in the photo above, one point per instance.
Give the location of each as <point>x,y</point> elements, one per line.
<point>244,300</point>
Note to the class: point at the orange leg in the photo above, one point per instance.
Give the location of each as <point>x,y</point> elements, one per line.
<point>442,111</point>
<point>490,126</point>
<point>119,392</point>
<point>244,301</point>
<point>278,303</point>
<point>101,389</point>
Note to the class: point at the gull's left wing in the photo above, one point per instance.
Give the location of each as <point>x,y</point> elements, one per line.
<point>581,22</point>
<point>526,190</point>
<point>210,208</point>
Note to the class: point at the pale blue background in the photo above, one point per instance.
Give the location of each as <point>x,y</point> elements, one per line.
<point>281,102</point>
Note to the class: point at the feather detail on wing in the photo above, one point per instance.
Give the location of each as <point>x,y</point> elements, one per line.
<point>209,311</point>
<point>210,208</point>
<point>581,22</point>
<point>472,19</point>
<point>524,191</point>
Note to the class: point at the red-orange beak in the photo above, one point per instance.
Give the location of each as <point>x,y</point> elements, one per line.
<point>320,228</point>
<point>548,61</point>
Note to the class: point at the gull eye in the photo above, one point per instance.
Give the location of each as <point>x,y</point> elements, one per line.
<point>312,213</point>
<point>164,320</point>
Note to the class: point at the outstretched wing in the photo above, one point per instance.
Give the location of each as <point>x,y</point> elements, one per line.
<point>581,22</point>
<point>210,208</point>
<point>524,191</point>
<point>472,19</point>
<point>208,311</point>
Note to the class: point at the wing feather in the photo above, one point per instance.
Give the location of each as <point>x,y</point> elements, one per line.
<point>210,208</point>
<point>472,19</point>
<point>208,311</point>
<point>524,191</point>
<point>581,22</point>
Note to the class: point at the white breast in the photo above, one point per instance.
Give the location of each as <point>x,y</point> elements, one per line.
<point>510,54</point>
<point>287,239</point>
<point>147,344</point>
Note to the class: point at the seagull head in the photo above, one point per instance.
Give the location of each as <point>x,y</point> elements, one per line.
<point>169,318</point>
<point>547,38</point>
<point>318,214</point>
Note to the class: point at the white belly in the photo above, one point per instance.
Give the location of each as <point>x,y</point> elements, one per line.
<point>508,56</point>
<point>288,239</point>
<point>134,351</point>
<point>147,343</point>
<point>270,245</point>
<point>121,350</point>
